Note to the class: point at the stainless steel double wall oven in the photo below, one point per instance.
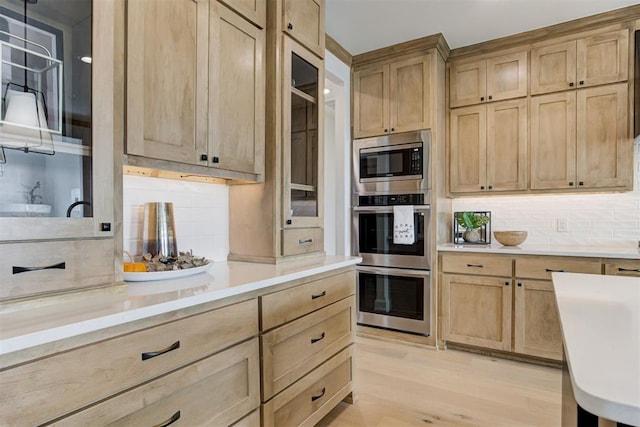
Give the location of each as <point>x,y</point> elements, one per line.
<point>394,282</point>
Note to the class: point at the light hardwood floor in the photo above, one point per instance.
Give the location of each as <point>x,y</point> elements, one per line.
<point>399,385</point>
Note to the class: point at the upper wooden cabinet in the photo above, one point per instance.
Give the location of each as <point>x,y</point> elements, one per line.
<point>253,10</point>
<point>580,139</point>
<point>392,97</point>
<point>195,89</point>
<point>236,92</point>
<point>588,61</point>
<point>167,79</point>
<point>489,147</point>
<point>488,79</point>
<point>304,21</point>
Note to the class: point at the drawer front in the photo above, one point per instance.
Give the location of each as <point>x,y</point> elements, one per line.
<point>542,267</point>
<point>291,351</point>
<point>281,307</point>
<point>310,399</point>
<point>37,268</point>
<point>191,396</point>
<point>86,374</point>
<point>478,264</point>
<point>623,268</point>
<point>251,420</point>
<point>297,241</point>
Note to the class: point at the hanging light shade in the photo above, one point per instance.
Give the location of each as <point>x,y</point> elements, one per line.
<point>25,124</point>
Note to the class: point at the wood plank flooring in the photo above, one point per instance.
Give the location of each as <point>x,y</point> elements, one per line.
<point>399,385</point>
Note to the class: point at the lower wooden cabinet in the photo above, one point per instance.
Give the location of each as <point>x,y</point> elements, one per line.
<point>622,267</point>
<point>216,391</point>
<point>477,310</point>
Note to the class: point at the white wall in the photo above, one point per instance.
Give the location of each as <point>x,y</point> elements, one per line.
<point>201,214</point>
<point>601,219</point>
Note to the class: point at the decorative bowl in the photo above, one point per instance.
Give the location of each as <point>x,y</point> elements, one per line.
<point>510,238</point>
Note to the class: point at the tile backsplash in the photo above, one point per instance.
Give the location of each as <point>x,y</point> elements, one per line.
<point>600,219</point>
<point>201,214</point>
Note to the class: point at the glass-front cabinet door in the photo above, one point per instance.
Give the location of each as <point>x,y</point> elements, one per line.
<point>56,155</point>
<point>302,136</point>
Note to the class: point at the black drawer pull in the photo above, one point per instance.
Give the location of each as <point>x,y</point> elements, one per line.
<point>314,398</point>
<point>506,283</point>
<point>519,284</point>
<point>319,295</point>
<point>551,270</point>
<point>475,265</point>
<point>59,266</point>
<point>175,417</point>
<point>315,340</point>
<point>303,241</point>
<point>149,355</point>
<point>637,270</point>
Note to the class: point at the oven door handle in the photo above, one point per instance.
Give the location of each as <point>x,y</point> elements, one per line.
<point>382,209</point>
<point>393,271</point>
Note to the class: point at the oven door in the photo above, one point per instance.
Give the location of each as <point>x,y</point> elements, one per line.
<point>394,298</point>
<point>373,238</point>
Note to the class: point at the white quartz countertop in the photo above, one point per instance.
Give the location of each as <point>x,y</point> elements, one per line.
<point>45,321</point>
<point>600,318</point>
<point>597,251</point>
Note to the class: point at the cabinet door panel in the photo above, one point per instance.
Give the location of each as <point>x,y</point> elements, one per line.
<point>304,21</point>
<point>370,103</point>
<point>537,325</point>
<point>478,311</point>
<point>603,58</point>
<point>410,94</point>
<point>468,83</point>
<point>553,67</point>
<point>237,92</point>
<point>603,145</point>
<point>167,66</point>
<point>507,145</point>
<point>507,76</point>
<point>553,141</point>
<point>468,165</point>
<point>254,10</point>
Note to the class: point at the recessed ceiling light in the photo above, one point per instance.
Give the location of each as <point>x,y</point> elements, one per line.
<point>86,59</point>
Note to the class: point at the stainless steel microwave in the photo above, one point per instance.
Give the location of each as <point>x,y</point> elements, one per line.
<point>392,164</point>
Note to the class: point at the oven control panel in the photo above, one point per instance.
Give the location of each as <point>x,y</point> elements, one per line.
<point>391,199</point>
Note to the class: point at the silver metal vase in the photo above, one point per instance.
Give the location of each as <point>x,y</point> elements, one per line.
<point>159,232</point>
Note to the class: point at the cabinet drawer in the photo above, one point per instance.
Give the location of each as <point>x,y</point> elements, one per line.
<point>281,307</point>
<point>59,265</point>
<point>623,268</point>
<point>542,267</point>
<point>310,399</point>
<point>291,351</point>
<point>251,420</point>
<point>483,265</point>
<point>191,395</point>
<point>296,241</point>
<point>86,374</point>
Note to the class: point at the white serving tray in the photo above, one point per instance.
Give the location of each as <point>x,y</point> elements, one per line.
<point>130,276</point>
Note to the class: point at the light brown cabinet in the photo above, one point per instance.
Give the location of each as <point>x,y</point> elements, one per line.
<point>488,147</point>
<point>392,97</point>
<point>622,267</point>
<point>488,79</point>
<point>253,10</point>
<point>579,139</point>
<point>588,61</point>
<point>180,114</point>
<point>304,21</point>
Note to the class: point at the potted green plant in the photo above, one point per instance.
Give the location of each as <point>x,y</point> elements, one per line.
<point>471,222</point>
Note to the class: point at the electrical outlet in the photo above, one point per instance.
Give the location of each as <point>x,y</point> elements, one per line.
<point>561,225</point>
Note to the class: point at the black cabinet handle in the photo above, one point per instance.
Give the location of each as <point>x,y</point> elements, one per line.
<point>386,130</point>
<point>319,295</point>
<point>303,241</point>
<point>315,340</point>
<point>581,82</point>
<point>570,183</point>
<point>490,97</point>
<point>289,26</point>
<point>482,187</point>
<point>175,417</point>
<point>215,160</point>
<point>571,84</point>
<point>550,270</point>
<point>475,265</point>
<point>151,354</point>
<point>581,183</point>
<point>490,187</point>
<point>637,270</point>
<point>506,283</point>
<point>519,284</point>
<point>314,398</point>
<point>204,157</point>
<point>59,266</point>
<point>482,98</point>
<point>392,129</point>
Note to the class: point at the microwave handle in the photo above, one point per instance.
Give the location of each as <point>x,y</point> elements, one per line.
<point>377,209</point>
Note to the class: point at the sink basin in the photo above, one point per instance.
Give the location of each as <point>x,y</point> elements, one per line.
<point>24,209</point>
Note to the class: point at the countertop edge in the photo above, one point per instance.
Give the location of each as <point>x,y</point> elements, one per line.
<point>574,251</point>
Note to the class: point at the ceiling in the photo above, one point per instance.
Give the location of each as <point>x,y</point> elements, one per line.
<point>364,25</point>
